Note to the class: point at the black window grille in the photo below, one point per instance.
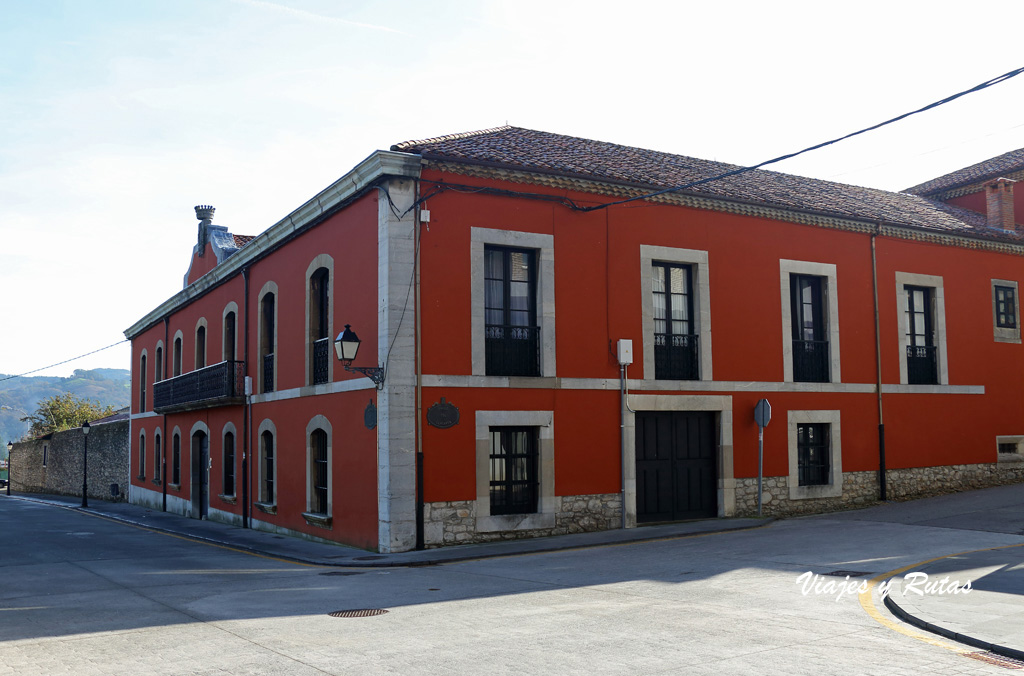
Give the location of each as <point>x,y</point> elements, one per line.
<point>141,384</point>
<point>176,460</point>
<point>813,453</point>
<point>319,318</point>
<point>513,469</point>
<point>267,487</point>
<point>676,344</point>
<point>512,335</point>
<point>1006,307</point>
<point>142,457</point>
<point>156,458</point>
<point>922,356</point>
<point>810,340</point>
<point>318,448</point>
<point>229,464</point>
<point>1007,447</point>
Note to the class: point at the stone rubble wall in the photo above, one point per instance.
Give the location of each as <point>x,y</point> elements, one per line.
<point>449,523</point>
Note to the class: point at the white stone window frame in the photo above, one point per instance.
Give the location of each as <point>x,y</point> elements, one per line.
<point>1016,457</point>
<point>545,247</point>
<point>903,279</point>
<point>201,324</point>
<point>828,272</point>
<point>269,287</point>
<point>326,262</point>
<point>267,425</point>
<point>701,278</point>
<point>228,309</point>
<point>318,422</point>
<point>834,488</point>
<point>999,334</point>
<point>547,504</point>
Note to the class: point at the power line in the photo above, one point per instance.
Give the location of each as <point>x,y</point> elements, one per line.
<point>26,373</point>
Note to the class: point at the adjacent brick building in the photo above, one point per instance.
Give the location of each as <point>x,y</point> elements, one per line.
<point>498,278</point>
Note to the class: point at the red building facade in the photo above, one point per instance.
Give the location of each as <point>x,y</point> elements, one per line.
<point>500,282</point>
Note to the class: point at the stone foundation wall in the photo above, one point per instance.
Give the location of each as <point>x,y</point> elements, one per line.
<point>861,488</point>
<point>449,523</point>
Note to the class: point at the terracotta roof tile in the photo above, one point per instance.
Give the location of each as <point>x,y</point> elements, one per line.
<point>242,240</point>
<point>995,167</point>
<point>528,150</point>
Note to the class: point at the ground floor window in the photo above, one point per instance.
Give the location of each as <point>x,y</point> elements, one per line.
<point>318,475</point>
<point>513,470</point>
<point>156,458</point>
<point>176,460</point>
<point>813,453</point>
<point>229,464</point>
<point>142,456</point>
<point>267,467</point>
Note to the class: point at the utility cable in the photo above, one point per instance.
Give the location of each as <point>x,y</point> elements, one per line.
<point>65,361</point>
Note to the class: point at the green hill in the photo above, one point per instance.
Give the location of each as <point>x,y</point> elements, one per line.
<point>110,387</point>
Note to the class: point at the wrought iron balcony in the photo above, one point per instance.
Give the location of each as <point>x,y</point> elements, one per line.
<point>222,384</point>
<point>811,361</point>
<point>676,357</point>
<point>321,359</point>
<point>512,350</point>
<point>922,365</point>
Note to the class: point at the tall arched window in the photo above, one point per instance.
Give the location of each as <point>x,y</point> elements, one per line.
<point>142,455</point>
<point>159,365</point>
<point>267,468</point>
<point>229,336</point>
<point>176,366</point>
<point>142,383</point>
<point>157,457</point>
<point>176,460</point>
<point>319,325</point>
<point>318,472</point>
<point>268,316</point>
<point>229,464</point>
<point>200,347</point>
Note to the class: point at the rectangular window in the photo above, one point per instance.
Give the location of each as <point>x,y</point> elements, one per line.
<point>318,444</point>
<point>513,470</point>
<point>229,464</point>
<point>510,312</point>
<point>1006,307</point>
<point>810,333</point>
<point>922,361</point>
<point>813,453</point>
<point>676,345</point>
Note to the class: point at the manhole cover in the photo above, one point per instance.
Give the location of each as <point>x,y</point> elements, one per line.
<point>847,573</point>
<point>998,660</point>
<point>368,558</point>
<point>344,572</point>
<point>362,612</point>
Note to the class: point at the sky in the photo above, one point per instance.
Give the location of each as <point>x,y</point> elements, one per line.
<point>118,117</point>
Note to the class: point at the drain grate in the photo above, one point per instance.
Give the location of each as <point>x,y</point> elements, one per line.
<point>344,572</point>
<point>996,659</point>
<point>362,612</point>
<point>847,573</point>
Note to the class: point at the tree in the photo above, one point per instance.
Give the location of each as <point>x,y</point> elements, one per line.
<point>63,412</point>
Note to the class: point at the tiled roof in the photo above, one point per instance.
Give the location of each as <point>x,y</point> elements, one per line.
<point>996,167</point>
<point>242,240</point>
<point>521,149</point>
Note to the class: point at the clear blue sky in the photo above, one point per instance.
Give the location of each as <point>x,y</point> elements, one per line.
<point>119,117</point>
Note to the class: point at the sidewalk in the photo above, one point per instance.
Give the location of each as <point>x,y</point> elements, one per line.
<point>329,554</point>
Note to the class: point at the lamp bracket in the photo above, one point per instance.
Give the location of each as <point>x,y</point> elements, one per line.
<point>374,373</point>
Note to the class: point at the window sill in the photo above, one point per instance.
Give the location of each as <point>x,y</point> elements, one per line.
<point>811,492</point>
<point>1010,459</point>
<point>266,507</point>
<point>512,522</point>
<point>230,499</point>
<point>174,487</point>
<point>157,482</point>
<point>319,520</point>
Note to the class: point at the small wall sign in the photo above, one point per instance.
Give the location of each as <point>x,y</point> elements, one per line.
<point>370,416</point>
<point>443,415</point>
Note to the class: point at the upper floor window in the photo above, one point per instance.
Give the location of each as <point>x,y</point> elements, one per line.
<point>676,341</point>
<point>922,357</point>
<point>142,383</point>
<point>268,332</point>
<point>200,347</point>
<point>512,333</point>
<point>229,336</point>
<point>810,334</point>
<point>1006,307</point>
<point>319,325</point>
<point>158,367</point>
<point>176,358</point>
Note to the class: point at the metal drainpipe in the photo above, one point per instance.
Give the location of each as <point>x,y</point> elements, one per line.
<point>247,411</point>
<point>878,363</point>
<point>622,439</point>
<point>420,526</point>
<point>163,449</point>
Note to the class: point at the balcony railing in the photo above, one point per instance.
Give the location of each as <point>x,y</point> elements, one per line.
<point>321,359</point>
<point>810,361</point>
<point>676,357</point>
<point>218,385</point>
<point>512,350</point>
<point>922,366</point>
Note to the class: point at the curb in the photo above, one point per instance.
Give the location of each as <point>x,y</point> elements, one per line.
<point>899,612</point>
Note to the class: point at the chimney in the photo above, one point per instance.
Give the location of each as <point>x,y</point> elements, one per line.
<point>999,204</point>
<point>204,212</point>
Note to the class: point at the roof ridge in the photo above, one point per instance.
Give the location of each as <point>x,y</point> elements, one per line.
<point>450,137</point>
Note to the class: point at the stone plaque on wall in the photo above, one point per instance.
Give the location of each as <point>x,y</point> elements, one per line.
<point>443,415</point>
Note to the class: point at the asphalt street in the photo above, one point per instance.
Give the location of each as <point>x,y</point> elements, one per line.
<point>86,593</point>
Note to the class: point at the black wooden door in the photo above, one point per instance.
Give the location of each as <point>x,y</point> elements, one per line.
<point>676,477</point>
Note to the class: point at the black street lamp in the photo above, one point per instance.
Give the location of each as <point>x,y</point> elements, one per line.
<point>85,464</point>
<point>346,345</point>
<point>10,447</point>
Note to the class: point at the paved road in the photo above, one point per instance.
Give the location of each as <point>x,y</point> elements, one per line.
<point>85,595</point>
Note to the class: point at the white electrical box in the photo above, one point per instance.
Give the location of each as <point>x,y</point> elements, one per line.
<point>625,352</point>
<point>248,386</point>
<point>424,216</point>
